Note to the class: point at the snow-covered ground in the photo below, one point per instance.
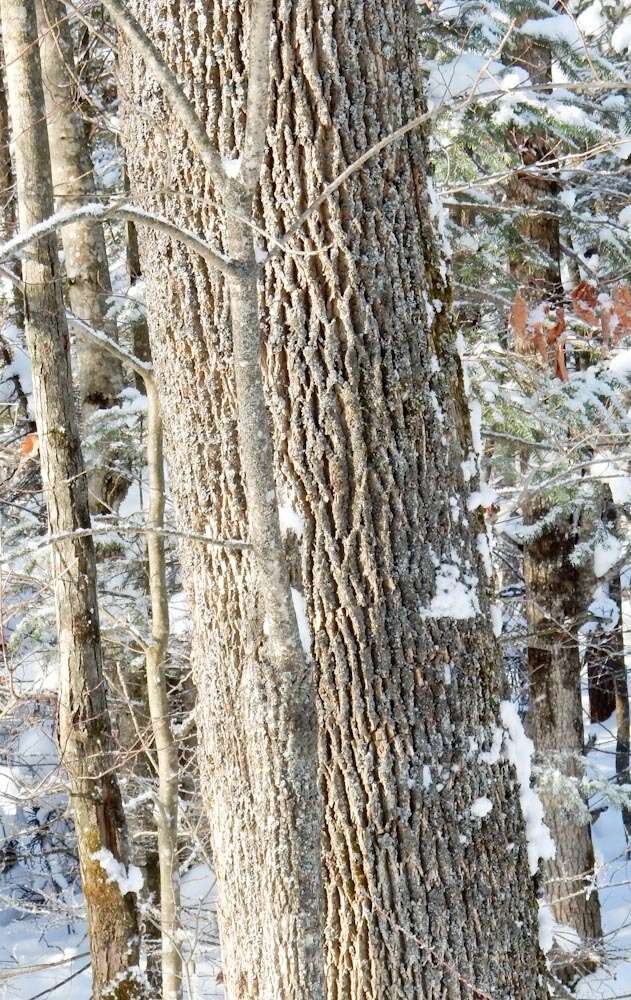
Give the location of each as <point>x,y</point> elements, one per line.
<point>45,955</point>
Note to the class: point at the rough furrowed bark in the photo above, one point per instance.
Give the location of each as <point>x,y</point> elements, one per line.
<point>275,718</point>
<point>85,257</point>
<point>371,431</point>
<point>84,733</point>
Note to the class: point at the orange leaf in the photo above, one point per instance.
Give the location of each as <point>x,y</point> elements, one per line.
<point>561,368</point>
<point>30,446</point>
<point>519,321</point>
<point>621,320</point>
<point>559,327</point>
<point>584,299</point>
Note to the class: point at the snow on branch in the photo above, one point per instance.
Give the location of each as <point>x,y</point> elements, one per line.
<point>142,368</point>
<point>101,212</point>
<point>128,529</point>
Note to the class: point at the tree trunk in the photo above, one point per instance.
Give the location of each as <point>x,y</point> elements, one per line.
<point>618,668</point>
<point>165,746</point>
<point>556,711</point>
<point>84,731</point>
<point>12,306</point>
<point>85,258</point>
<point>140,327</point>
<point>167,890</point>
<point>553,602</point>
<point>371,429</point>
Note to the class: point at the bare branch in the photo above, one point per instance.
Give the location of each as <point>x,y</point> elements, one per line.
<point>142,368</point>
<point>258,92</point>
<point>122,211</point>
<point>136,529</point>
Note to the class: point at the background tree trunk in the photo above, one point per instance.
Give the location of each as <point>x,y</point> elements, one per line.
<point>556,712</point>
<point>12,307</point>
<point>84,727</point>
<point>553,584</point>
<point>85,257</point>
<point>372,428</point>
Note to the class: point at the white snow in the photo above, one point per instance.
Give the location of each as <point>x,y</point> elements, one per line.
<point>621,38</point>
<point>301,618</point>
<point>484,548</point>
<point>127,879</point>
<point>604,608</point>
<point>519,750</point>
<point>558,28</point>
<point>484,497</point>
<point>624,217</point>
<point>481,807</point>
<point>497,618</point>
<point>591,21</point>
<point>469,468</point>
<point>231,167</point>
<point>608,550</point>
<point>469,72</point>
<point>475,416</point>
<point>546,927</point>
<point>290,520</point>
<point>455,597</point>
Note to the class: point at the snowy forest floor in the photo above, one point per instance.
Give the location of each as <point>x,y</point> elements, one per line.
<point>47,954</point>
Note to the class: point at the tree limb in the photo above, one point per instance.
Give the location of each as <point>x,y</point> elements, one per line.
<point>122,211</point>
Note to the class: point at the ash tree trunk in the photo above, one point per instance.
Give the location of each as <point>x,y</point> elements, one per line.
<point>371,432</point>
<point>85,257</point>
<point>84,725</point>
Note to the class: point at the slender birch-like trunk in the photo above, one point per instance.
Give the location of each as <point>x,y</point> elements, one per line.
<point>12,306</point>
<point>165,746</point>
<point>371,433</point>
<point>85,257</point>
<point>166,810</point>
<point>84,725</point>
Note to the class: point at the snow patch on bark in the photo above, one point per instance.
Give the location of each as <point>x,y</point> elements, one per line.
<point>290,520</point>
<point>607,552</point>
<point>484,497</point>
<point>481,807</point>
<point>546,927</point>
<point>454,597</point>
<point>231,167</point>
<point>484,549</point>
<point>519,750</point>
<point>497,619</point>
<point>127,879</point>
